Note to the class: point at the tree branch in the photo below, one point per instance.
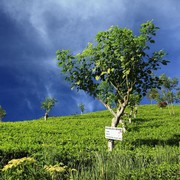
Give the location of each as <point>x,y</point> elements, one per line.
<point>108,107</point>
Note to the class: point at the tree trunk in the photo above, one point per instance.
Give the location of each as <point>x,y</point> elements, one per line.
<point>130,116</point>
<point>135,112</point>
<point>46,116</point>
<point>115,121</point>
<point>110,144</point>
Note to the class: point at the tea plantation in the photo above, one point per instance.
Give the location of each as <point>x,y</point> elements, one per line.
<point>74,147</point>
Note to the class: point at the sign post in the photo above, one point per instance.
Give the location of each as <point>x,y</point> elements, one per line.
<point>113,133</point>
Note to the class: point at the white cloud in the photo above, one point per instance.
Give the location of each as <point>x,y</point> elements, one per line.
<point>114,11</point>
<point>49,92</point>
<point>37,13</point>
<point>29,104</point>
<point>90,103</point>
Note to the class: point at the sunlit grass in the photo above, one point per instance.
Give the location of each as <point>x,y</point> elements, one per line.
<point>149,147</point>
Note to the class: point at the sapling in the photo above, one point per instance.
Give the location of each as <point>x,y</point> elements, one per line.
<point>82,107</point>
<point>47,105</point>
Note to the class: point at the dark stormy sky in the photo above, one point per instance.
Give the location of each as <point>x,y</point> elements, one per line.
<point>32,30</point>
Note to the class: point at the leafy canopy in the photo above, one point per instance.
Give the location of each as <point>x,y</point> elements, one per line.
<point>153,94</point>
<point>48,104</point>
<point>169,89</point>
<point>82,107</point>
<point>118,64</point>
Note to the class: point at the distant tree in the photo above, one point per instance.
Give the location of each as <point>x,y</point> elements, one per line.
<point>177,100</point>
<point>2,113</point>
<point>169,91</point>
<point>47,105</point>
<point>82,107</point>
<point>133,103</point>
<point>153,94</point>
<point>117,65</point>
<point>168,94</point>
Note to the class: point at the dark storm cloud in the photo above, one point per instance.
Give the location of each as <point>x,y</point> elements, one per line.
<point>32,31</point>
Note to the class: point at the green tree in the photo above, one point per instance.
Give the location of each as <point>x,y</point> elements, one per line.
<point>47,105</point>
<point>117,65</point>
<point>82,107</point>
<point>169,91</point>
<point>134,101</point>
<point>177,95</point>
<point>2,113</point>
<point>153,94</point>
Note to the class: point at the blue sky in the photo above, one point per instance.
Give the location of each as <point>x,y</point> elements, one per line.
<point>32,31</point>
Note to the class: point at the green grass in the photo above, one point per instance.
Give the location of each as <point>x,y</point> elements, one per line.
<point>149,150</point>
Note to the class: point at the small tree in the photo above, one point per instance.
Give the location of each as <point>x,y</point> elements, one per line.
<point>133,103</point>
<point>169,91</point>
<point>153,94</point>
<point>168,94</point>
<point>82,107</point>
<point>47,105</point>
<point>177,100</point>
<point>117,65</point>
<point>2,113</point>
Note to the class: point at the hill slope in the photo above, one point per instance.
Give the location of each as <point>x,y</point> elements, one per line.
<point>150,147</point>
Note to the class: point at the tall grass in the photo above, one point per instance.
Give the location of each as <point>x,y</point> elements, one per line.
<point>157,163</point>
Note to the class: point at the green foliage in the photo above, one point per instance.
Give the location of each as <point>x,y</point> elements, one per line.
<point>141,164</point>
<point>153,94</point>
<point>149,150</point>
<point>82,107</point>
<point>169,91</point>
<point>134,100</point>
<point>2,113</point>
<point>60,171</point>
<point>118,64</point>
<point>22,168</point>
<point>48,104</point>
<point>177,95</point>
<point>29,168</point>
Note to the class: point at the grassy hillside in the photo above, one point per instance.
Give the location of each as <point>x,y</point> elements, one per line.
<point>149,149</point>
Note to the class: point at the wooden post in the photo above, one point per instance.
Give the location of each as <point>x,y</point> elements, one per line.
<point>113,133</point>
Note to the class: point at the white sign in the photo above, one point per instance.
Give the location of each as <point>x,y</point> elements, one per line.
<point>113,133</point>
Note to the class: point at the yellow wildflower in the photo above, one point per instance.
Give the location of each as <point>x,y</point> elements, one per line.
<point>55,168</point>
<point>16,162</point>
